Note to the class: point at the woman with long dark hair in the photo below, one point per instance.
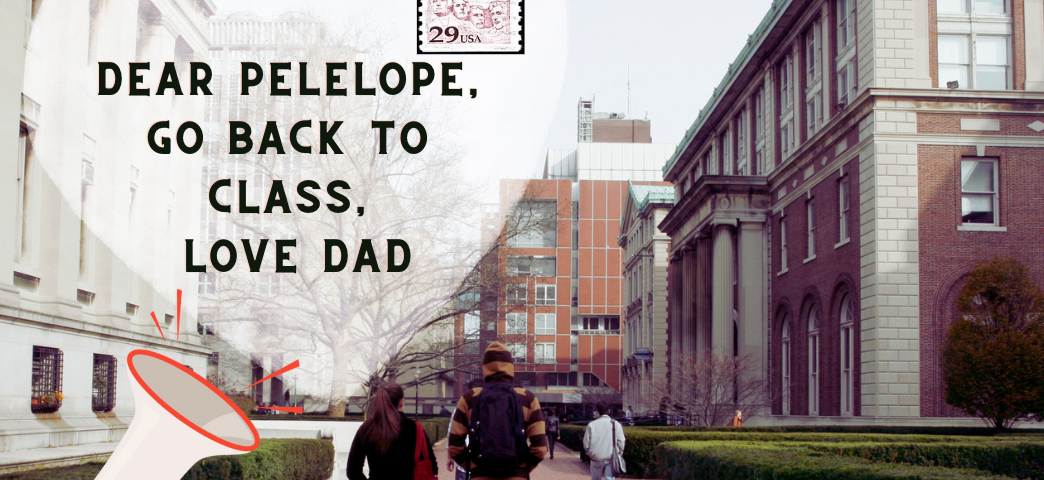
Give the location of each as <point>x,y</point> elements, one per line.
<point>387,440</point>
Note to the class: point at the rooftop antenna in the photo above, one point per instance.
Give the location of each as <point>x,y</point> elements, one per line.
<point>628,90</point>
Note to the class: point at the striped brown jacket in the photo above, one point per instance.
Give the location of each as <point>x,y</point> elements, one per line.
<point>534,430</point>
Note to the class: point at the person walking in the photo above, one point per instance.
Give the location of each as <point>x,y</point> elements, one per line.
<point>389,440</point>
<point>554,431</point>
<point>629,416</point>
<point>603,439</point>
<point>496,420</point>
<point>461,473</point>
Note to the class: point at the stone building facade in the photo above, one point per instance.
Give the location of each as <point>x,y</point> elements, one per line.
<point>853,166</point>
<point>646,251</point>
<point>93,222</point>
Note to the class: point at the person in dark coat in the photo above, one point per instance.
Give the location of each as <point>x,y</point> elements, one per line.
<point>387,440</point>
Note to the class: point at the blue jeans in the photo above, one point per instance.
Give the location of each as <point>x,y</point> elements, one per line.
<point>598,469</point>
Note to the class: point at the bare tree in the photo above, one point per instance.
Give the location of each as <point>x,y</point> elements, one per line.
<point>709,388</point>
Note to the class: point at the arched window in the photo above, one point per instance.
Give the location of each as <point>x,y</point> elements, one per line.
<point>847,355</point>
<point>813,362</point>
<point>785,368</point>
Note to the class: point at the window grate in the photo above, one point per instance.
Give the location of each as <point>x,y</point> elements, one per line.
<point>47,380</point>
<point>103,395</point>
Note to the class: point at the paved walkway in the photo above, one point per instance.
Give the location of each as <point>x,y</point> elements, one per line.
<point>565,466</point>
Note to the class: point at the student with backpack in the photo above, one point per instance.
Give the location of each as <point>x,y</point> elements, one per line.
<point>394,445</point>
<point>460,473</point>
<point>497,419</point>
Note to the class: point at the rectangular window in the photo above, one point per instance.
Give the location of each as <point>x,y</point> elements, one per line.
<point>842,208</point>
<point>546,324</point>
<point>592,380</point>
<point>533,224</point>
<point>517,293</point>
<point>269,284</point>
<point>545,294</point>
<point>103,390</point>
<point>845,23</point>
<point>974,61</point>
<point>741,143</point>
<point>979,192</point>
<point>207,283</point>
<point>811,209</point>
<point>530,266</point>
<point>517,323</point>
<point>518,352</point>
<point>783,244</point>
<point>47,380</point>
<point>213,359</point>
<point>544,353</point>
<point>813,79</point>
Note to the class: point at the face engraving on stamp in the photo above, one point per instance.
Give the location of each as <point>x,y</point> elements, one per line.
<point>440,7</point>
<point>461,10</point>
<point>499,13</point>
<point>479,17</point>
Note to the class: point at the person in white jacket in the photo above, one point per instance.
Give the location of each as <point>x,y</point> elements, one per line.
<point>598,443</point>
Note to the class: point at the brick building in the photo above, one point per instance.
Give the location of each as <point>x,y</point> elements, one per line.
<point>561,313</point>
<point>853,166</point>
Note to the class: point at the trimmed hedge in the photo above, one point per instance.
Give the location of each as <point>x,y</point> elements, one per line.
<point>1015,459</point>
<point>275,459</point>
<point>435,428</point>
<point>714,460</point>
<point>640,450</point>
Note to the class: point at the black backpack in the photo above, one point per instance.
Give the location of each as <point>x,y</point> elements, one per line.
<point>497,439</point>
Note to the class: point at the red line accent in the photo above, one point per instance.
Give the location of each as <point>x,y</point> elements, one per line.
<point>297,410</point>
<point>154,320</point>
<point>295,364</point>
<point>178,336</point>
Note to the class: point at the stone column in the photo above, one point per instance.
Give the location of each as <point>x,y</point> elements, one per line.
<point>721,329</point>
<point>688,327</point>
<point>753,314</point>
<point>704,259</point>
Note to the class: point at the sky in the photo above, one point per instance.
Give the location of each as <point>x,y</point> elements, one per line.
<point>673,53</point>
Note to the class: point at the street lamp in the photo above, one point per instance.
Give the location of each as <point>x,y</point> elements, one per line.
<point>416,394</point>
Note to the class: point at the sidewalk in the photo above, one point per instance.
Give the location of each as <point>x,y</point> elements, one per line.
<point>565,466</point>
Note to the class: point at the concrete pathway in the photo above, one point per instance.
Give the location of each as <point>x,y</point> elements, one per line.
<point>565,466</point>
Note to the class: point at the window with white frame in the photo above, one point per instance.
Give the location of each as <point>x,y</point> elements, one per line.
<point>518,352</point>
<point>546,324</point>
<point>810,207</point>
<point>783,244</point>
<point>269,284</point>
<point>974,44</point>
<point>207,283</point>
<point>545,294</point>
<point>814,78</point>
<point>813,362</point>
<point>727,160</point>
<point>741,143</point>
<point>846,52</point>
<point>760,167</point>
<point>785,365</point>
<point>517,293</point>
<point>787,86</point>
<point>842,209</point>
<point>544,353</point>
<point>516,323</point>
<point>979,191</point>
<point>535,224</point>
<point>847,356</point>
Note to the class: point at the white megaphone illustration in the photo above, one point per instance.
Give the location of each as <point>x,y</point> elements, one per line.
<point>179,418</point>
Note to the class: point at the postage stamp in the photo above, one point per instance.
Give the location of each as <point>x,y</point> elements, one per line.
<point>470,26</point>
